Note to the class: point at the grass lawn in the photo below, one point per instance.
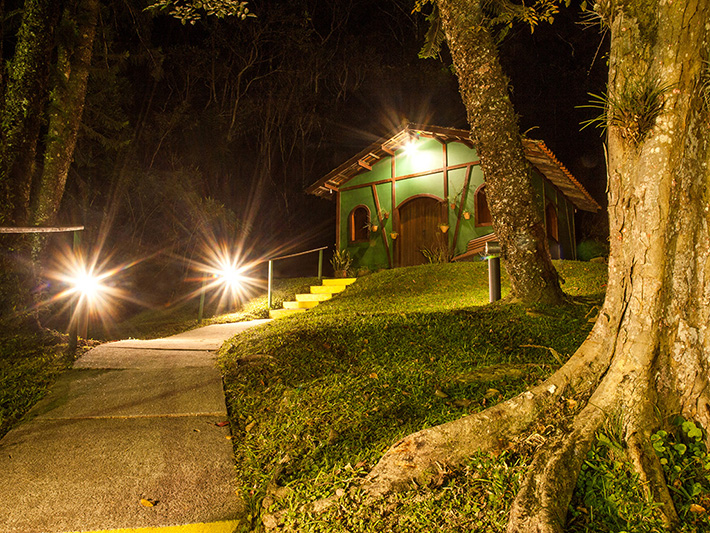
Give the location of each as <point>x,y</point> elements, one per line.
<point>315,399</point>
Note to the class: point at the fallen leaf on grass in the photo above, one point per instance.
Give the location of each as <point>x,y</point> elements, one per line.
<point>222,424</point>
<point>697,509</point>
<point>462,403</point>
<point>373,375</point>
<point>533,314</point>
<point>148,502</point>
<point>440,393</point>
<point>250,426</point>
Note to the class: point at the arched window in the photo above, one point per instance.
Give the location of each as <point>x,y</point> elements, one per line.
<point>357,224</point>
<point>483,214</point>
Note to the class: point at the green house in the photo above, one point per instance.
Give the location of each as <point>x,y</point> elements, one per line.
<point>420,195</point>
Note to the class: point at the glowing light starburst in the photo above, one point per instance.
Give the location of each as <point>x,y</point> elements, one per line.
<point>225,275</point>
<point>88,286</point>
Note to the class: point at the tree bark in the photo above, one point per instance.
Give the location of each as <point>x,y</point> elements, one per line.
<point>494,128</point>
<point>23,105</point>
<point>65,109</point>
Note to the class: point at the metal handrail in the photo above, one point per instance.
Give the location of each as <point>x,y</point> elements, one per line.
<point>271,269</point>
<point>40,229</point>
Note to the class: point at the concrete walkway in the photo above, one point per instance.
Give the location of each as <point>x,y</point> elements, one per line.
<point>134,423</point>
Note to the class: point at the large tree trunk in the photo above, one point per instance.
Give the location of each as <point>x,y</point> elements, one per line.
<point>23,107</point>
<point>65,108</point>
<point>648,355</point>
<point>20,121</point>
<point>494,128</point>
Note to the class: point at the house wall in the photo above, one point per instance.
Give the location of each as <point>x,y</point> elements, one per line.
<point>436,170</point>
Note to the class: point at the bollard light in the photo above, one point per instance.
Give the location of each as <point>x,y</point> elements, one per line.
<point>492,251</point>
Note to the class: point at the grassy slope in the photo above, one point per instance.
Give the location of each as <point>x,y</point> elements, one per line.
<point>316,398</point>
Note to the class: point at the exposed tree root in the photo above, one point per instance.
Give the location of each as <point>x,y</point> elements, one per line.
<point>541,504</point>
<point>417,457</point>
<point>648,466</point>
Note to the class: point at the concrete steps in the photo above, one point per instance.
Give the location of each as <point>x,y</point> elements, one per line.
<point>318,294</point>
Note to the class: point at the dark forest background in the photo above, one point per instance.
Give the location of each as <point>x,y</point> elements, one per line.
<point>206,133</point>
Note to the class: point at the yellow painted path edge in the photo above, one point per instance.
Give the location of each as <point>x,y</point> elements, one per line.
<point>228,526</point>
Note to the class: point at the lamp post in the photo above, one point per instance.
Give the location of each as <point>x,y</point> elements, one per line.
<point>492,253</point>
<point>227,275</point>
<point>87,287</point>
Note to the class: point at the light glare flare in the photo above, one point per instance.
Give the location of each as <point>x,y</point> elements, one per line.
<point>87,285</point>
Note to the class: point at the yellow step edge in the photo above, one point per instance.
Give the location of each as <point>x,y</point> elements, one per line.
<point>313,297</point>
<point>301,305</point>
<point>281,313</point>
<point>339,281</point>
<point>327,289</point>
<point>228,526</point>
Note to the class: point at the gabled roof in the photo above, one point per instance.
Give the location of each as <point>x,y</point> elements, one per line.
<point>536,152</point>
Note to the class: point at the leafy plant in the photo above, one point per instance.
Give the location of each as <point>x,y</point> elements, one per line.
<point>633,110</point>
<point>686,464</point>
<point>609,496</point>
<point>341,261</point>
<point>191,12</point>
<point>437,254</point>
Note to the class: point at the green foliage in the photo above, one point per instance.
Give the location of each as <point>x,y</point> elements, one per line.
<point>501,14</point>
<point>434,36</point>
<point>633,110</point>
<point>29,363</point>
<point>686,464</point>
<point>193,10</point>
<point>609,496</point>
<point>437,254</point>
<point>341,261</point>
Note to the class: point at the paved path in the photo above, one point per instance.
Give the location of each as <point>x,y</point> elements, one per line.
<point>133,420</point>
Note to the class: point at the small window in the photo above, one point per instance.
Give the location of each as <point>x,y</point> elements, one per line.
<point>483,213</point>
<point>357,224</point>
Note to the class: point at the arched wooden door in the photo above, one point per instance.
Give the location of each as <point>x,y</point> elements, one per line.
<point>419,220</point>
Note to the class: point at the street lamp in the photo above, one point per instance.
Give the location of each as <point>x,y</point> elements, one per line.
<point>88,288</point>
<point>225,274</point>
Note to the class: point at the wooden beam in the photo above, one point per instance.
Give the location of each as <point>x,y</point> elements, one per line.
<point>382,226</point>
<point>340,221</point>
<point>363,164</point>
<point>464,196</point>
<point>415,175</point>
<point>387,150</point>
